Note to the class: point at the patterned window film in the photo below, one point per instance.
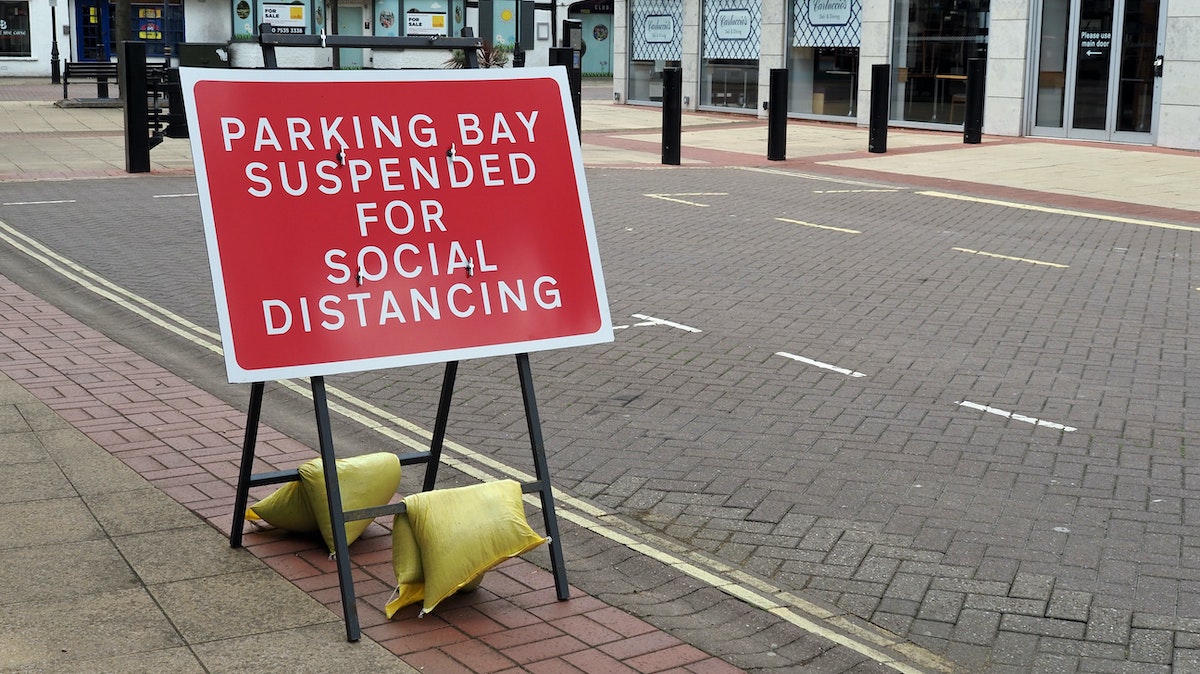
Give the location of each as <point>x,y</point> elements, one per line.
<point>732,29</point>
<point>827,23</point>
<point>656,30</point>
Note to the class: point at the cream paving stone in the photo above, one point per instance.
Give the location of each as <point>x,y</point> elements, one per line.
<point>52,521</point>
<point>238,604</point>
<point>89,468</point>
<point>298,650</point>
<point>196,551</point>
<point>20,447</point>
<point>139,511</point>
<point>60,634</point>
<point>61,572</point>
<point>30,481</point>
<point>177,660</point>
<point>1127,175</point>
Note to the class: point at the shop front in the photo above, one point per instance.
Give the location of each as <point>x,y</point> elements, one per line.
<point>1099,69</point>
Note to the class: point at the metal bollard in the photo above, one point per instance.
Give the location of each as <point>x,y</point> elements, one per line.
<point>777,115</point>
<point>672,115</point>
<point>976,86</point>
<point>137,110</point>
<point>880,97</point>
<point>567,58</point>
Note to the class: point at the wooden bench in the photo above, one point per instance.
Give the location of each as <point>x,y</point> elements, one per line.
<point>102,72</point>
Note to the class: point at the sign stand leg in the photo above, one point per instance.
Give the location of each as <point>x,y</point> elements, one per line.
<point>337,519</point>
<point>439,426</point>
<point>542,486</point>
<point>247,467</point>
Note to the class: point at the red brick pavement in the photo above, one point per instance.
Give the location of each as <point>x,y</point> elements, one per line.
<point>187,443</point>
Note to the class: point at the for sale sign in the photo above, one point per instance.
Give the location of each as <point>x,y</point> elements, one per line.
<point>367,219</point>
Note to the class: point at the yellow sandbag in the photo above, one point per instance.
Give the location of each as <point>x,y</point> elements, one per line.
<point>463,532</point>
<point>406,562</point>
<point>286,508</point>
<point>364,481</point>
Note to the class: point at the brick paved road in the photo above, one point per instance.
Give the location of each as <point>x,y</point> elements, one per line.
<point>877,475</point>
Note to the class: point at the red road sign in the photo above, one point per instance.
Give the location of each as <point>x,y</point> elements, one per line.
<point>367,219</point>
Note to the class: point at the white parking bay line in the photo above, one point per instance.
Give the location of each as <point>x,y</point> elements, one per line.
<point>823,366</point>
<point>650,320</point>
<point>1016,417</point>
<point>37,203</point>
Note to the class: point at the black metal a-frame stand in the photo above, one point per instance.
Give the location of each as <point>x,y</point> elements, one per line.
<point>431,458</point>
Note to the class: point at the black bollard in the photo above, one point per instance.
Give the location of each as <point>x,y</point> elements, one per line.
<point>567,58</point>
<point>976,81</point>
<point>672,111</point>
<point>777,115</point>
<point>880,97</point>
<point>137,109</point>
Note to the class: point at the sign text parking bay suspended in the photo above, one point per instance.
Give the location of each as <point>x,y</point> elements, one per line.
<point>369,219</point>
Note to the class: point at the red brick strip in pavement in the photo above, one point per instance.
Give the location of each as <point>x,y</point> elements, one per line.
<point>187,442</point>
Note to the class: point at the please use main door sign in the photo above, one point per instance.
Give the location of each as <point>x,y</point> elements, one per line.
<point>366,219</point>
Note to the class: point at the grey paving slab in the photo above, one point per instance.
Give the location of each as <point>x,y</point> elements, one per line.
<point>237,604</point>
<point>60,571</point>
<point>28,524</point>
<point>33,481</point>
<point>138,511</point>
<point>186,553</point>
<point>89,472</point>
<point>178,660</point>
<point>292,650</point>
<point>63,632</point>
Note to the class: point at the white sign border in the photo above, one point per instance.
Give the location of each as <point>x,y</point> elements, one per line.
<point>190,77</point>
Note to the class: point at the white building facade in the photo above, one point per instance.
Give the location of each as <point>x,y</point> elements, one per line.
<point>85,30</point>
<point>1108,70</point>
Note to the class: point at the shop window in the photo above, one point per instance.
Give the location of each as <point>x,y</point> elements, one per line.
<point>933,41</point>
<point>14,29</point>
<point>655,43</point>
<point>729,63</point>
<point>823,60</point>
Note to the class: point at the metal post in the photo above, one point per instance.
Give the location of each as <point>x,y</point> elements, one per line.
<point>137,110</point>
<point>533,422</point>
<point>246,471</point>
<point>777,115</point>
<point>880,96</point>
<point>976,85</point>
<point>55,66</point>
<point>672,115</point>
<point>565,57</point>
<point>337,517</point>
